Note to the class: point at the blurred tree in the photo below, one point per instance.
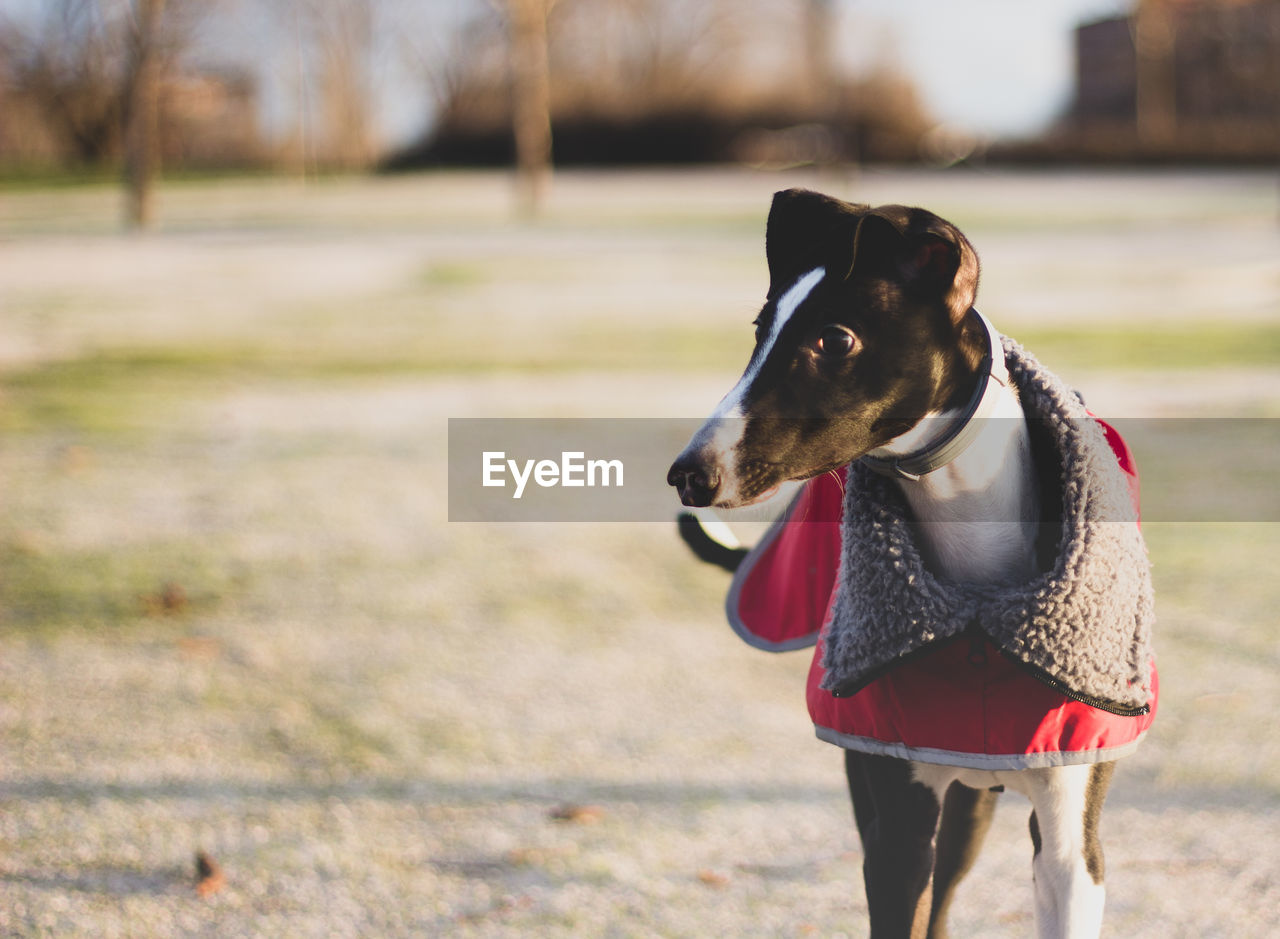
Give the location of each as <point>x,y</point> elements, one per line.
<point>67,62</point>
<point>638,81</point>
<point>93,71</point>
<point>343,36</point>
<point>633,57</point>
<point>329,50</point>
<point>446,57</point>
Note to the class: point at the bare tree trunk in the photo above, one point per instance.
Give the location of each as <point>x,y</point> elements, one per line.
<point>531,90</point>
<point>140,144</point>
<point>1157,108</point>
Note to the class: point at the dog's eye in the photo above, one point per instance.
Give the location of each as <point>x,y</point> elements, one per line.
<point>836,341</point>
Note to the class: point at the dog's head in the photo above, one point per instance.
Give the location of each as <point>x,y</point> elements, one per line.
<point>863,333</point>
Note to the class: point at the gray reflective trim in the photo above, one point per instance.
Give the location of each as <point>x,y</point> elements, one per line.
<point>991,761</point>
<point>740,578</point>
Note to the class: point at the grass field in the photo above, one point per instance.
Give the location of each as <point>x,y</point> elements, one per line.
<point>235,618</point>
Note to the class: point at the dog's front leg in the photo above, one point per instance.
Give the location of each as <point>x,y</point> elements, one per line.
<point>897,819</point>
<point>1067,866</point>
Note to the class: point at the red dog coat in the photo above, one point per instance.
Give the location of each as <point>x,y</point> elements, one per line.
<point>960,703</point>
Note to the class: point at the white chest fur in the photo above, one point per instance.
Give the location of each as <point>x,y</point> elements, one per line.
<point>978,515</point>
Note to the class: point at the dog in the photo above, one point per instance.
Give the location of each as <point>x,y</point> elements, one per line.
<point>868,348</point>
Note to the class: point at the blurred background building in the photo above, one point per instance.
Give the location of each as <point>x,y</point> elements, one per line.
<point>1177,79</point>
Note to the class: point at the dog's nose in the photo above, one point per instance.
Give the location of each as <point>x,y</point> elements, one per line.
<point>695,480</point>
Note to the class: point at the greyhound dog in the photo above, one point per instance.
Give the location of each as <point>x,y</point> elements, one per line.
<point>868,347</point>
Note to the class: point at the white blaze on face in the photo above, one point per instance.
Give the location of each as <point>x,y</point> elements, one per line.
<point>787,304</point>
<point>723,430</point>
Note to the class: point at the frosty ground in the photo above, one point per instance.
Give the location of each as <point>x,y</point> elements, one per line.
<point>236,619</point>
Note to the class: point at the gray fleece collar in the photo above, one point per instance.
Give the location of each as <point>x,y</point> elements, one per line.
<point>1083,625</point>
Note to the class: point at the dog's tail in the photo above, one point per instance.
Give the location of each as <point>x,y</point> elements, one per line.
<point>711,541</point>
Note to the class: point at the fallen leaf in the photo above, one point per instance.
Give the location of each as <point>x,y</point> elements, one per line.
<point>713,878</point>
<point>209,877</point>
<point>170,601</point>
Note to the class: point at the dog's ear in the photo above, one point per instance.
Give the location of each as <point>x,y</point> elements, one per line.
<point>807,230</point>
<point>928,253</point>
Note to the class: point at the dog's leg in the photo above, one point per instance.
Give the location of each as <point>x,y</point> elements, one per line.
<point>966,818</point>
<point>897,819</point>
<point>1068,867</point>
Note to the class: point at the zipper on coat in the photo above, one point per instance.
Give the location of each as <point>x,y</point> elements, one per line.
<point>1102,704</point>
